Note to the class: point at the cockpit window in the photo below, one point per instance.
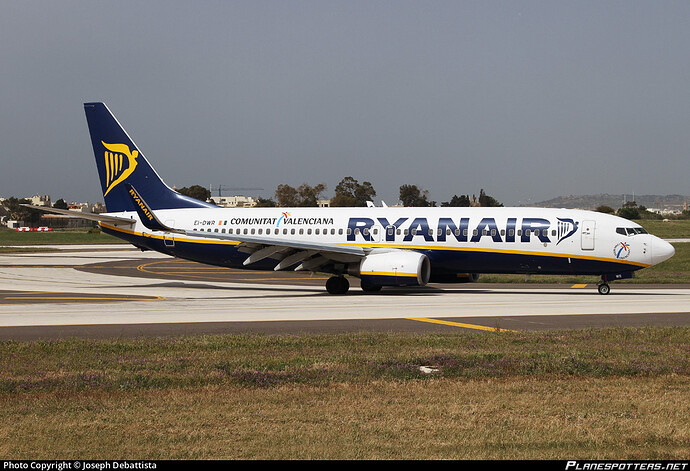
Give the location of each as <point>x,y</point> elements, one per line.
<point>630,231</point>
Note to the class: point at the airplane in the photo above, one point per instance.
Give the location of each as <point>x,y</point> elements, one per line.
<point>382,246</point>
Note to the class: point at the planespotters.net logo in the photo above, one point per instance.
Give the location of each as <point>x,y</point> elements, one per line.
<point>626,466</point>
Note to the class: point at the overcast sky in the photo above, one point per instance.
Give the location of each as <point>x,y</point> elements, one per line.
<point>528,100</point>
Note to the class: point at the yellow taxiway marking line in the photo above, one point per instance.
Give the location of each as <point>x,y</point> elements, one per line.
<point>459,324</point>
<point>579,286</point>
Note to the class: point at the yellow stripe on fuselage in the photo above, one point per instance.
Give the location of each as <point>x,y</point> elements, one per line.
<point>400,247</point>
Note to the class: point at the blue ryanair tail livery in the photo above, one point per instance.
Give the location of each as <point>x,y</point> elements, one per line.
<point>383,246</point>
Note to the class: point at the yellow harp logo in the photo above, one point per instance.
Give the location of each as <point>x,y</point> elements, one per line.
<point>116,168</point>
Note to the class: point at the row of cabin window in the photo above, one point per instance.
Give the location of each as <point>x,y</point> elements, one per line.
<point>276,231</point>
<point>375,231</point>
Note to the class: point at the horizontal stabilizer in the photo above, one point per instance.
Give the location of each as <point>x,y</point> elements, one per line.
<point>76,215</point>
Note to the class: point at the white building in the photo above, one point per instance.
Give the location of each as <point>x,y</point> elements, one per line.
<point>238,201</point>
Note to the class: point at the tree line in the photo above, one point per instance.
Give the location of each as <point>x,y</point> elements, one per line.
<point>630,210</point>
<point>349,192</point>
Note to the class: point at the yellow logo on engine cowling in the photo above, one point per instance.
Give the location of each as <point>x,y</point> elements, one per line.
<point>115,169</point>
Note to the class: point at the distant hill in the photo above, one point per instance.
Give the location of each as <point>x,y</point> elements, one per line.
<point>615,201</point>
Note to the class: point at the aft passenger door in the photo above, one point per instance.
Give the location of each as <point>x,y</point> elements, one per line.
<point>587,238</point>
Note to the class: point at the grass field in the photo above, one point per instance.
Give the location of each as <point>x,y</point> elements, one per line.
<point>597,394</point>
<point>75,237</point>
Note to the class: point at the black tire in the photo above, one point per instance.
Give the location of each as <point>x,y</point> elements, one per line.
<point>367,288</point>
<point>604,288</point>
<point>337,285</point>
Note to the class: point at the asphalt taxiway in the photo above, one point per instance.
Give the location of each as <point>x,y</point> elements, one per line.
<point>119,291</point>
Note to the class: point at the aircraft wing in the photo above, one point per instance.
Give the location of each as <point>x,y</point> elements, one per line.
<point>90,216</point>
<point>310,255</point>
<point>289,252</point>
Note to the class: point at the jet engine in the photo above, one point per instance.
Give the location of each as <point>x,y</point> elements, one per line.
<point>399,268</point>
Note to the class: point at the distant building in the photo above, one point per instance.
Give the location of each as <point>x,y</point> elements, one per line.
<point>79,207</point>
<point>238,201</point>
<point>38,200</point>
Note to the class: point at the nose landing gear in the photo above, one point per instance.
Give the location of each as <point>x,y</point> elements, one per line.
<point>603,287</point>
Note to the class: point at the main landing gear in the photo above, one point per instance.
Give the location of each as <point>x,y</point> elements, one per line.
<point>340,285</point>
<point>337,285</point>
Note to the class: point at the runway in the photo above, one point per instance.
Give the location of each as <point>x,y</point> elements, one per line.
<point>120,291</point>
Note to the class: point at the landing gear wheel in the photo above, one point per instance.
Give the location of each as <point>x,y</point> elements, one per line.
<point>604,288</point>
<point>337,285</point>
<point>367,288</point>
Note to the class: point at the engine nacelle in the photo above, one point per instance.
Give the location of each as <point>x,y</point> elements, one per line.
<point>400,268</point>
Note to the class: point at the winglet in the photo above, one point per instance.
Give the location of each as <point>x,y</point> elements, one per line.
<point>146,214</point>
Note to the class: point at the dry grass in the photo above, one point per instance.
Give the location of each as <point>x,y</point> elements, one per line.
<point>597,394</point>
<point>552,418</point>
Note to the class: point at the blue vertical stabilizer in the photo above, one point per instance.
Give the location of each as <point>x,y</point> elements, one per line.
<point>119,160</point>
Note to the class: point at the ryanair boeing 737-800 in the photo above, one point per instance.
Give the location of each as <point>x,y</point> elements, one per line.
<point>383,246</point>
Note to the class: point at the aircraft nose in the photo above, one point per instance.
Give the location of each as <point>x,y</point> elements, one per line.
<point>661,250</point>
